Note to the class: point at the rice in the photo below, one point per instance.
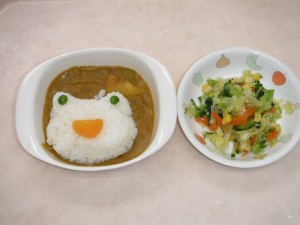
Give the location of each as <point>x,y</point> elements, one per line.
<point>116,137</point>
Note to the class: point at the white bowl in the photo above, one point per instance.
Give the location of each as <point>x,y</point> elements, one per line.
<point>31,96</point>
<point>234,61</point>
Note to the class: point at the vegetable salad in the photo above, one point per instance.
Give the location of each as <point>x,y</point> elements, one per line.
<point>238,110</point>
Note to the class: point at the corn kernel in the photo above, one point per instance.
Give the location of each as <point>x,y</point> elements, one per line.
<point>256,76</point>
<point>257,117</point>
<point>206,88</point>
<point>226,119</point>
<point>248,80</point>
<point>278,128</point>
<point>275,127</point>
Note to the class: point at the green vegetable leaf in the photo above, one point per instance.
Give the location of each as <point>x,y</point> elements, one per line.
<point>259,147</point>
<point>234,90</point>
<point>226,90</point>
<point>259,90</point>
<point>266,100</point>
<point>193,110</point>
<point>211,82</point>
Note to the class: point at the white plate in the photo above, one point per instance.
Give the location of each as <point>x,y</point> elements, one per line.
<point>232,62</point>
<point>31,96</point>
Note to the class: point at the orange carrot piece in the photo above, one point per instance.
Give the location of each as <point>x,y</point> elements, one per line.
<point>273,109</point>
<point>239,120</point>
<point>88,128</point>
<point>253,139</point>
<point>272,135</point>
<point>245,153</point>
<point>250,111</point>
<point>213,126</point>
<point>203,121</point>
<point>216,116</point>
<point>200,139</point>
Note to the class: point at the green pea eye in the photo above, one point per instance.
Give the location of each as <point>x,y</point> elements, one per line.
<point>62,100</point>
<point>114,99</point>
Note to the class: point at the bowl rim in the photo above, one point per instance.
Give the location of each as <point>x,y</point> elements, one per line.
<point>164,134</point>
<point>210,154</point>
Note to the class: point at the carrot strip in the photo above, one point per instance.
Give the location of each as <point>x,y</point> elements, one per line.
<point>216,116</point>
<point>273,109</point>
<point>250,111</point>
<point>203,121</point>
<point>253,139</point>
<point>239,120</point>
<point>272,135</point>
<point>213,126</point>
<point>245,153</point>
<point>200,139</point>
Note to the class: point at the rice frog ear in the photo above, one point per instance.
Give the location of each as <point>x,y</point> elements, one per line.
<point>62,100</point>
